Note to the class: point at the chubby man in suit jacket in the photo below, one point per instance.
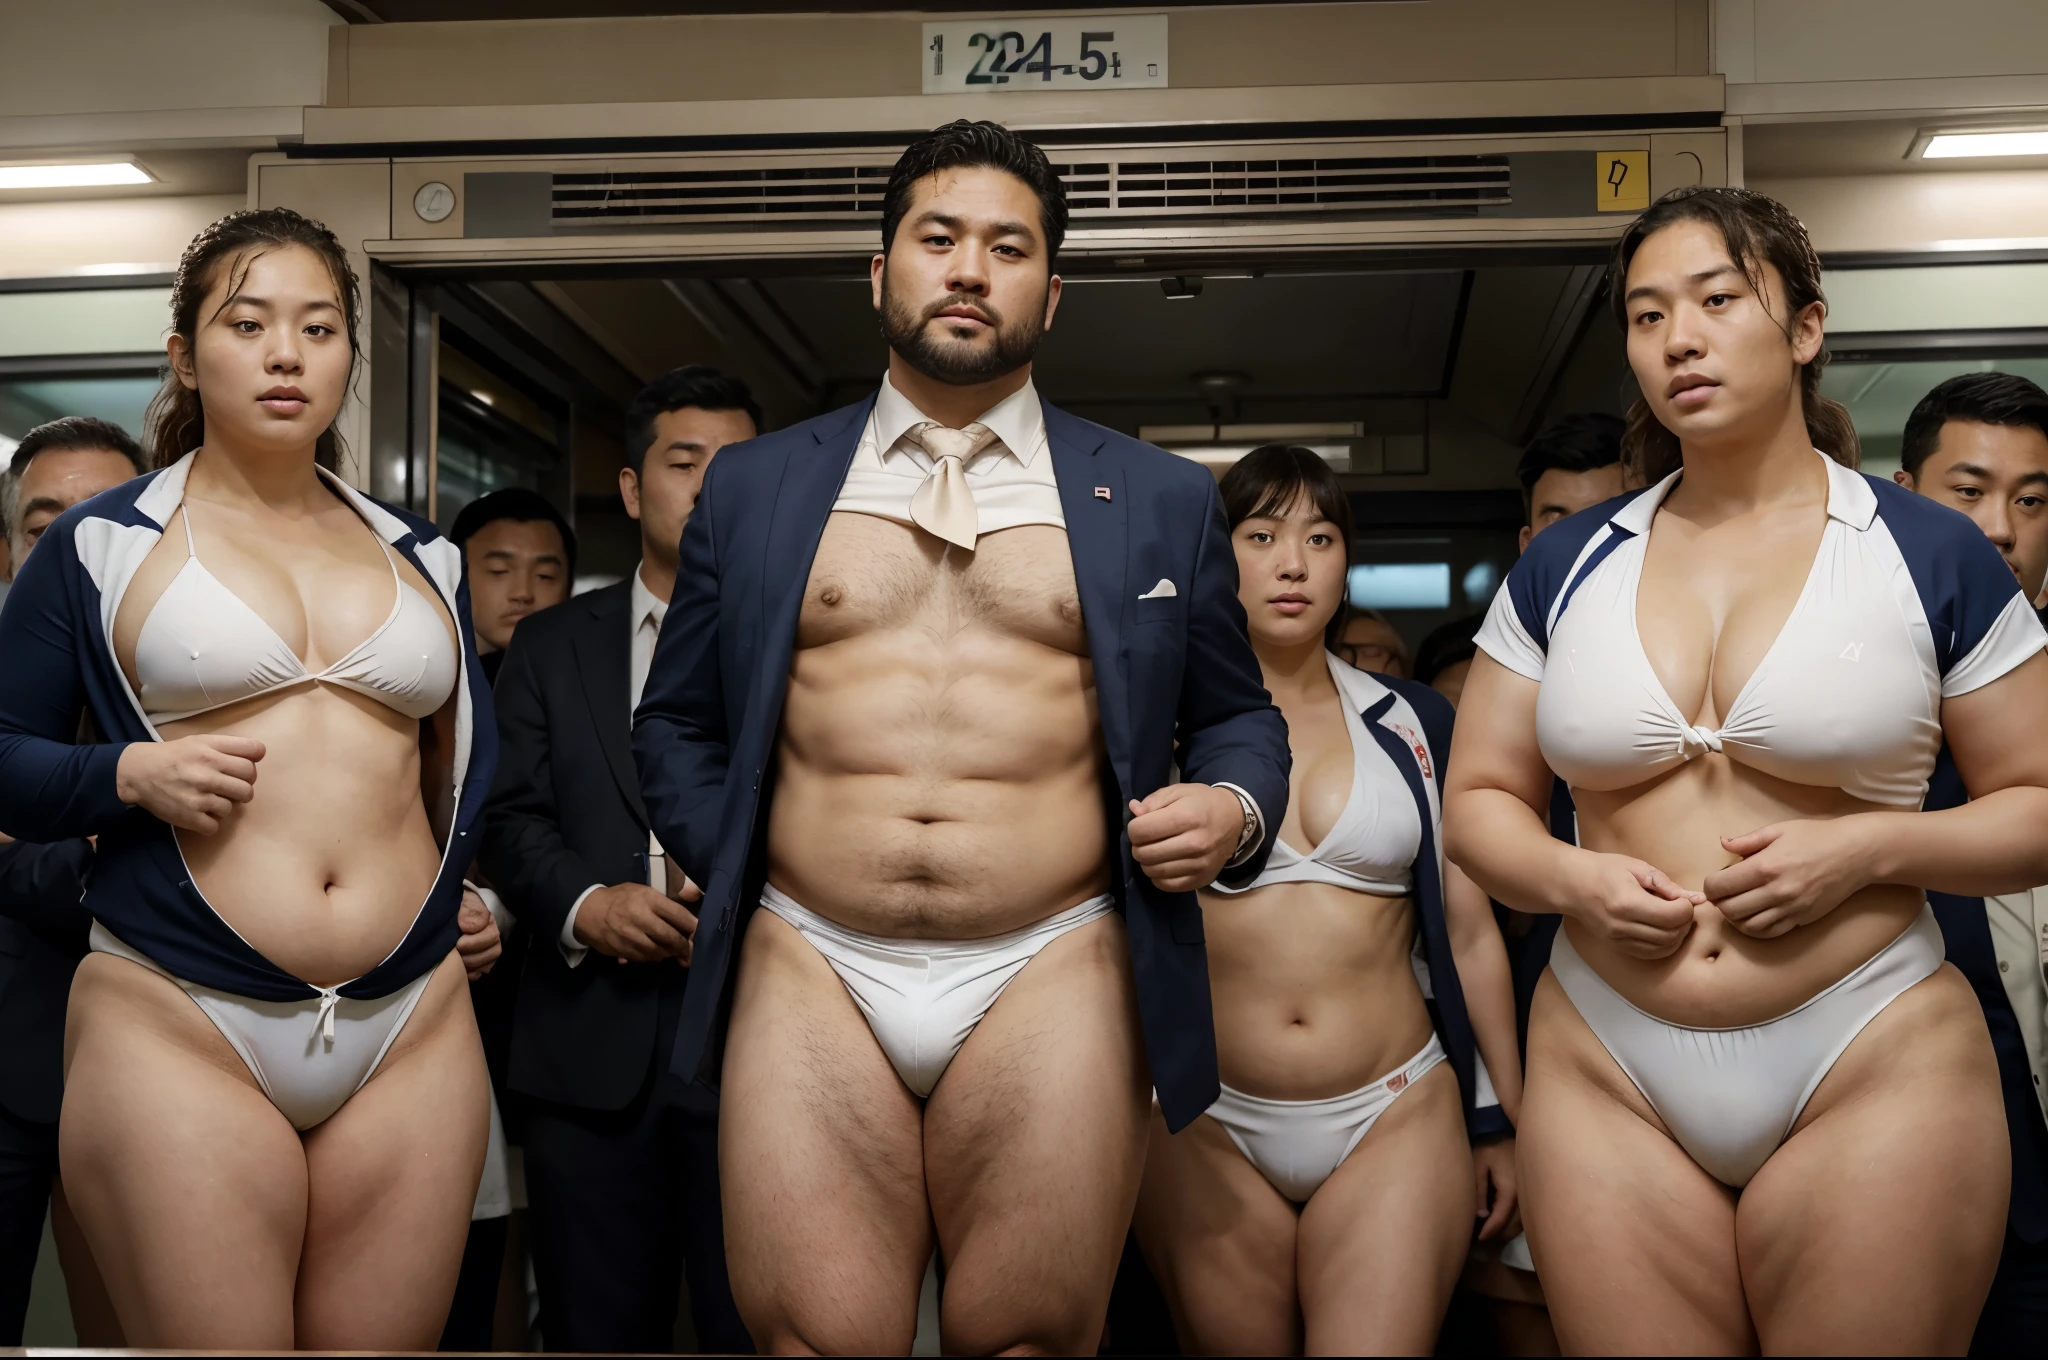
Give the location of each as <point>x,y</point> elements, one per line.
<point>930,664</point>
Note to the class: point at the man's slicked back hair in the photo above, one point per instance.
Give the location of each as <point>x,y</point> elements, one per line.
<point>1574,443</point>
<point>76,432</point>
<point>698,385</point>
<point>965,144</point>
<point>1987,398</point>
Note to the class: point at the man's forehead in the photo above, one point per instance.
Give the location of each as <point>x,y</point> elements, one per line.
<point>102,465</point>
<point>506,535</point>
<point>977,191</point>
<point>2010,449</point>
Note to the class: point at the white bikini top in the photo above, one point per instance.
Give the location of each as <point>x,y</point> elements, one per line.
<point>1372,845</point>
<point>1848,696</point>
<point>202,648</point>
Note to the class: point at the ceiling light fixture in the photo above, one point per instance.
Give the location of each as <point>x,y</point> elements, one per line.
<point>72,176</point>
<point>1949,145</point>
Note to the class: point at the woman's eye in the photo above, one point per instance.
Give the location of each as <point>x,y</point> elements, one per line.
<point>1968,493</point>
<point>1319,540</point>
<point>1648,318</point>
<point>319,330</point>
<point>1718,298</point>
<point>246,328</point>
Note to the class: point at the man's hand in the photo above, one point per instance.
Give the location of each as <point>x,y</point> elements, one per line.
<point>1493,1164</point>
<point>631,921</point>
<point>479,944</point>
<point>1184,834</point>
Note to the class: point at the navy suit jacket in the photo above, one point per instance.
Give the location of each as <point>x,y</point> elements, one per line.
<point>1175,678</point>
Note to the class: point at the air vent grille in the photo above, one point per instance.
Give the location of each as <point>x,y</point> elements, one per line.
<point>1348,186</point>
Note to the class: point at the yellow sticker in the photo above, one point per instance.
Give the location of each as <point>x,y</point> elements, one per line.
<point>1622,180</point>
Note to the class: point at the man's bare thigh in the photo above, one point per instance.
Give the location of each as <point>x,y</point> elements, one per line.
<point>1034,1145</point>
<point>821,1159</point>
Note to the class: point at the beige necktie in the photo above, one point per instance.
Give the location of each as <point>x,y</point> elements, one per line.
<point>944,504</point>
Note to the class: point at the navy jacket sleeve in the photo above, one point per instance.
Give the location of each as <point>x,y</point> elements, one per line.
<point>523,849</point>
<point>51,788</point>
<point>41,885</point>
<point>1229,731</point>
<point>680,737</point>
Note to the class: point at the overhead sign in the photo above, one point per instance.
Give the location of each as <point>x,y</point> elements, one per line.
<point>996,56</point>
<point>1621,180</point>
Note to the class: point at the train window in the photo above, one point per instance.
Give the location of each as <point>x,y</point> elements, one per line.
<point>27,400</point>
<point>495,430</point>
<point>1881,392</point>
<point>1401,585</point>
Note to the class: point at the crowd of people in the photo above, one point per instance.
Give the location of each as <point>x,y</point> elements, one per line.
<point>1655,956</point>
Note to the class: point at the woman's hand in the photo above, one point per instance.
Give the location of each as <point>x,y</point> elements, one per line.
<point>193,782</point>
<point>1791,873</point>
<point>1633,906</point>
<point>1494,1165</point>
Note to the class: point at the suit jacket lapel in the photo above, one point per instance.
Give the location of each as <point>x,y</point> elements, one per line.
<point>604,655</point>
<point>810,484</point>
<point>1098,537</point>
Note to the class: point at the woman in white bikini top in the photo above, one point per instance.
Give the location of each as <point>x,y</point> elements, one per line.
<point>1761,1111</point>
<point>272,1006</point>
<point>1326,1200</point>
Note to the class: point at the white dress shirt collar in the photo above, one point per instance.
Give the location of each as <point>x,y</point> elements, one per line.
<point>646,603</point>
<point>1018,420</point>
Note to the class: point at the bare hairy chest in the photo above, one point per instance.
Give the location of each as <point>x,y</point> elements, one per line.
<point>873,575</point>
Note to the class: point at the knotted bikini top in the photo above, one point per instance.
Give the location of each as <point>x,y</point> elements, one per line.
<point>202,648</point>
<point>1372,845</point>
<point>1849,694</point>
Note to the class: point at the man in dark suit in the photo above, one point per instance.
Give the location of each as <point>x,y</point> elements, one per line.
<point>42,927</point>
<point>1978,443</point>
<point>933,658</point>
<point>621,1180</point>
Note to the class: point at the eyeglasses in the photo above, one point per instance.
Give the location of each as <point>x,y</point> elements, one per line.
<point>1372,656</point>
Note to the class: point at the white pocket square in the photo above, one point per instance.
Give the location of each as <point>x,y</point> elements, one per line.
<point>1163,591</point>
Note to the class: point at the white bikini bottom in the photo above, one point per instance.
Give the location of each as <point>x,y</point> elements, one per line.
<point>922,998</point>
<point>308,1056</point>
<point>1296,1144</point>
<point>1731,1096</point>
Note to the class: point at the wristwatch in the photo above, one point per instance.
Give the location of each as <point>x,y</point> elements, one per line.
<point>1253,823</point>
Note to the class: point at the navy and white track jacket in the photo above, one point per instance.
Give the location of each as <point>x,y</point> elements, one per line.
<point>57,665</point>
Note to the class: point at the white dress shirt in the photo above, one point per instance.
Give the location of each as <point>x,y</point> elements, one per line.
<point>647,614</point>
<point>1012,479</point>
<point>2019,936</point>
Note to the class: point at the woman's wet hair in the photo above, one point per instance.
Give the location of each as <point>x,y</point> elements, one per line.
<point>176,421</point>
<point>1270,481</point>
<point>1757,230</point>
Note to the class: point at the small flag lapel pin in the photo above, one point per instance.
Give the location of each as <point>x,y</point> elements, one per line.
<point>1102,493</point>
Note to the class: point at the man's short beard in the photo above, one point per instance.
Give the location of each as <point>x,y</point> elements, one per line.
<point>909,334</point>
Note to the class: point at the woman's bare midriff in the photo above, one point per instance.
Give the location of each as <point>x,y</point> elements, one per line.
<point>324,870</point>
<point>1313,989</point>
<point>1720,977</point>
